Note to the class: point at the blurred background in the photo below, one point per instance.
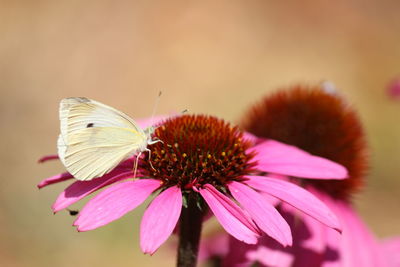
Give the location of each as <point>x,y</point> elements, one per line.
<point>214,57</point>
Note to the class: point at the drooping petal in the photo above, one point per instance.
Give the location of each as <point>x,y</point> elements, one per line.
<point>47,158</point>
<point>55,179</point>
<point>276,157</point>
<point>297,197</point>
<point>81,189</point>
<point>262,212</point>
<point>160,219</point>
<point>114,202</point>
<point>230,215</point>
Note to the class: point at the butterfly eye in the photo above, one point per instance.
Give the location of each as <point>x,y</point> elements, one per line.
<point>89,125</point>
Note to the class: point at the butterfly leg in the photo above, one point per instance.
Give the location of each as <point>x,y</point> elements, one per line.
<point>151,165</point>
<point>154,141</point>
<point>136,164</point>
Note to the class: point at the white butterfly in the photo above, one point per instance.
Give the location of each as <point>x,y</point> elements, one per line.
<point>95,138</point>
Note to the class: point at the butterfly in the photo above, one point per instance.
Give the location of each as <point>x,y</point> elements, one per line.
<point>95,138</point>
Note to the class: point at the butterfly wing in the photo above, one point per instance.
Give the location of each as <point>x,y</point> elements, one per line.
<point>62,148</point>
<point>95,138</point>
<point>77,113</point>
<point>93,152</point>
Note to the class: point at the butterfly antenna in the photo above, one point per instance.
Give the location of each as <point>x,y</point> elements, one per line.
<point>155,107</point>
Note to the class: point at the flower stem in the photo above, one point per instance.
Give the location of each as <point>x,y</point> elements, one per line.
<point>189,232</point>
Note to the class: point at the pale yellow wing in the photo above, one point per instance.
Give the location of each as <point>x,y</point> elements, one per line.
<point>62,148</point>
<point>77,113</point>
<point>95,137</point>
<point>93,152</point>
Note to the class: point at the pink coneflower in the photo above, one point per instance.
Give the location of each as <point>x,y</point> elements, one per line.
<point>322,124</point>
<point>204,162</point>
<point>393,89</point>
<point>314,244</point>
<point>318,122</point>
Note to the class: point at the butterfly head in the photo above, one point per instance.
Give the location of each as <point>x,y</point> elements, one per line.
<point>149,132</point>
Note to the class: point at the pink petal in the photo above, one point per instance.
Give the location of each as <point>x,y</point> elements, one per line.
<point>297,197</point>
<point>390,249</point>
<point>251,138</point>
<point>271,200</point>
<point>276,157</point>
<point>309,238</point>
<point>47,158</point>
<point>358,245</point>
<point>214,246</point>
<point>114,202</point>
<point>160,219</point>
<point>310,233</point>
<point>262,212</point>
<point>147,122</point>
<point>231,217</point>
<point>81,189</point>
<point>55,179</point>
<point>271,257</point>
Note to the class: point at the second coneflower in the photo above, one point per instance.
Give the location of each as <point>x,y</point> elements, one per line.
<point>320,122</point>
<point>204,163</point>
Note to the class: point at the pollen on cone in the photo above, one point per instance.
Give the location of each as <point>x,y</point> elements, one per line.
<point>198,150</point>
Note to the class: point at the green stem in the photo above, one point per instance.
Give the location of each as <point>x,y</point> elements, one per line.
<point>191,221</point>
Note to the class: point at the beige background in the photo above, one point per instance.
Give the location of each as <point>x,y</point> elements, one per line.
<point>214,57</point>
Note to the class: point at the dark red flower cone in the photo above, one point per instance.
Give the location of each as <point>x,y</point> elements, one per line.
<point>319,122</point>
